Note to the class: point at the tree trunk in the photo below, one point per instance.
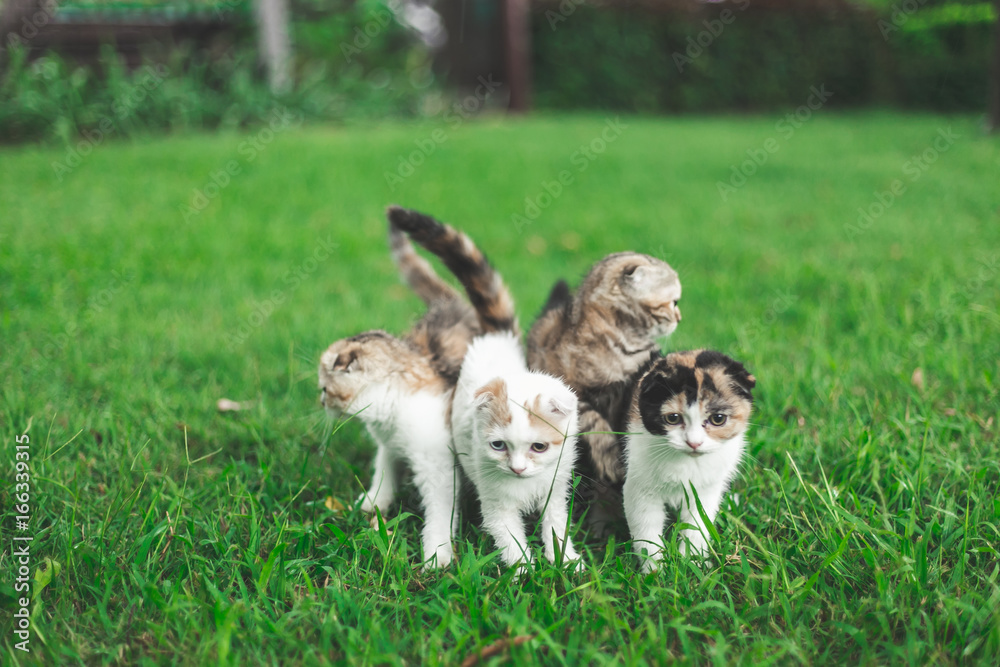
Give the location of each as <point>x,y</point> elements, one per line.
<point>274,42</point>
<point>517,53</point>
<point>994,112</point>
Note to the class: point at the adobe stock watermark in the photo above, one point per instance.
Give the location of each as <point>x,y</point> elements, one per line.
<point>95,307</point>
<point>786,128</point>
<point>363,35</point>
<point>279,120</point>
<point>459,112</point>
<point>30,25</point>
<point>290,281</point>
<point>697,44</point>
<point>566,9</point>
<point>913,169</point>
<point>123,107</point>
<point>779,303</point>
<point>901,13</point>
<point>957,300</point>
<point>581,159</point>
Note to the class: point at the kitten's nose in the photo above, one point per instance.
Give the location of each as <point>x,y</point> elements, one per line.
<point>678,309</point>
<point>517,471</point>
<point>693,445</point>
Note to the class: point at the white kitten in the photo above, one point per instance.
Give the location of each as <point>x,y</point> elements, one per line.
<point>687,428</point>
<point>403,402</point>
<point>514,433</point>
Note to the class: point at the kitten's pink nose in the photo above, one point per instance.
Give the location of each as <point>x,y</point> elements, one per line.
<point>517,471</point>
<point>693,445</point>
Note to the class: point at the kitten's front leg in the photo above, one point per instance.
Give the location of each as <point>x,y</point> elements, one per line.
<point>555,520</point>
<point>646,515</point>
<point>697,538</point>
<point>382,490</point>
<point>506,527</point>
<point>436,479</point>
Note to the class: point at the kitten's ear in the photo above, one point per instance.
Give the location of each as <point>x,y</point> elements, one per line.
<point>562,404</point>
<point>742,377</point>
<point>346,361</point>
<point>493,391</point>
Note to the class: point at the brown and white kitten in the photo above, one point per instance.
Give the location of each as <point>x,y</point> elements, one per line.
<point>598,339</point>
<point>687,425</point>
<point>402,389</point>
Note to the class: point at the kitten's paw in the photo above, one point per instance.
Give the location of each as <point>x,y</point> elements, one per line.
<point>441,558</point>
<point>367,506</point>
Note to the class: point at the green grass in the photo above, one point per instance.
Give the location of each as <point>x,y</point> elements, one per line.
<point>863,529</point>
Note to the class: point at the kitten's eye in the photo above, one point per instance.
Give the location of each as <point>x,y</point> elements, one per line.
<point>322,389</point>
<point>539,447</point>
<point>498,445</point>
<point>673,419</point>
<point>630,270</point>
<point>676,301</point>
<point>718,419</point>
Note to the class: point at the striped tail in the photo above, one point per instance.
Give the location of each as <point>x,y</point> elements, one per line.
<point>416,271</point>
<point>486,289</point>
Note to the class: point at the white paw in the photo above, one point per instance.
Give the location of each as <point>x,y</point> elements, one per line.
<point>366,503</point>
<point>441,557</point>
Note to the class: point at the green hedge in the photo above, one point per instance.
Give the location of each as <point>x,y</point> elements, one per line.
<point>631,60</point>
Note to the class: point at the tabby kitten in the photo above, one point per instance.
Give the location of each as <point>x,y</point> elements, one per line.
<point>401,389</point>
<point>513,429</point>
<point>598,339</point>
<point>687,431</point>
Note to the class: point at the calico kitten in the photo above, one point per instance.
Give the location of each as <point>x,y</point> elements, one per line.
<point>687,428</point>
<point>598,339</point>
<point>401,389</point>
<point>513,429</point>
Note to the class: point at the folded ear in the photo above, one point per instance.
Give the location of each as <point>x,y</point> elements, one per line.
<point>494,391</point>
<point>562,403</point>
<point>346,361</point>
<point>491,402</point>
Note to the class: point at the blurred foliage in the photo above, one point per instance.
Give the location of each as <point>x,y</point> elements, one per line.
<point>352,59</point>
<point>933,57</point>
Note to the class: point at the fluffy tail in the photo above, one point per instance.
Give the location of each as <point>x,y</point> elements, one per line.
<point>417,271</point>
<point>486,289</point>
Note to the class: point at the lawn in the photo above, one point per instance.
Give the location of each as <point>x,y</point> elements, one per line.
<point>153,278</point>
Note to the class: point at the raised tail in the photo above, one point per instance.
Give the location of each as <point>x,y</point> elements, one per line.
<point>486,289</point>
<point>416,271</point>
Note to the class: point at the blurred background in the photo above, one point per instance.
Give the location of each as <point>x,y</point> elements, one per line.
<point>208,64</point>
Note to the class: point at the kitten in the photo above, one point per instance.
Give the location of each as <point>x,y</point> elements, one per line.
<point>687,428</point>
<point>513,429</point>
<point>598,340</point>
<point>401,389</point>
<point>403,402</point>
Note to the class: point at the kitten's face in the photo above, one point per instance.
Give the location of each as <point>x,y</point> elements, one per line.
<point>351,365</point>
<point>699,401</point>
<point>639,284</point>
<point>525,439</point>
